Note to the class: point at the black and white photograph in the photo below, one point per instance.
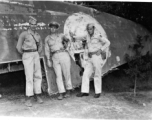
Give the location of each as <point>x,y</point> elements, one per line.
<point>75,59</point>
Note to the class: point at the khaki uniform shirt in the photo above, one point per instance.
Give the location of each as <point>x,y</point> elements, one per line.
<point>53,43</point>
<point>95,42</point>
<point>27,42</point>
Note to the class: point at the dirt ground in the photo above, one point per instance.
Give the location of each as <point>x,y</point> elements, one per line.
<point>112,105</point>
<point>109,106</point>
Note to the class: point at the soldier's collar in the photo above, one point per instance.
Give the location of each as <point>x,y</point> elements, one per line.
<point>91,36</point>
<point>31,32</point>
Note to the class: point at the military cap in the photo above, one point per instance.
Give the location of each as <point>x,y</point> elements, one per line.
<point>90,25</point>
<point>32,20</point>
<point>55,24</point>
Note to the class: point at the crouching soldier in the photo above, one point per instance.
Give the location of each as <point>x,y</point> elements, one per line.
<point>30,45</point>
<point>59,58</point>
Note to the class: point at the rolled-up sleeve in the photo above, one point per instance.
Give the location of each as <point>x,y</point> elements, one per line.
<point>105,43</point>
<point>20,42</point>
<point>47,49</point>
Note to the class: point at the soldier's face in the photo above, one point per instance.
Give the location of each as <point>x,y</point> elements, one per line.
<point>53,29</point>
<point>33,26</point>
<point>90,30</point>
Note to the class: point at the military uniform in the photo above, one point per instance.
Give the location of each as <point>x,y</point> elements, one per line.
<point>95,63</point>
<point>27,47</point>
<point>95,45</point>
<point>61,60</point>
<point>30,45</point>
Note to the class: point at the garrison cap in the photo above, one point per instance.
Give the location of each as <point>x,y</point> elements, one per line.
<point>32,20</point>
<point>55,24</point>
<point>90,25</point>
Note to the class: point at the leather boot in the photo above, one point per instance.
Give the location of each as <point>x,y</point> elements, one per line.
<point>28,102</point>
<point>39,99</point>
<point>96,95</point>
<point>60,97</point>
<point>82,94</point>
<point>67,94</point>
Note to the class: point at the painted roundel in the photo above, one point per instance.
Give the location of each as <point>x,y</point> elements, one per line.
<point>76,24</point>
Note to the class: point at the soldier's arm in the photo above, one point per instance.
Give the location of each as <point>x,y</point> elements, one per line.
<point>65,41</point>
<point>48,53</point>
<point>20,42</point>
<point>40,46</point>
<point>47,49</point>
<point>83,38</point>
<point>105,42</point>
<point>74,37</point>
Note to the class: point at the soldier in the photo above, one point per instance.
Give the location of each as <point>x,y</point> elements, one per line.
<point>59,58</point>
<point>95,45</point>
<point>30,45</point>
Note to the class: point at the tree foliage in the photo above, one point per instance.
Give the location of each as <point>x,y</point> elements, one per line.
<point>139,66</point>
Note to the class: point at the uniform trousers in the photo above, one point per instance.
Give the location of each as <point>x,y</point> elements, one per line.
<point>62,64</point>
<point>31,62</point>
<point>93,65</point>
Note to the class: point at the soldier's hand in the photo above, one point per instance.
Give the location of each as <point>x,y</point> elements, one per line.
<point>71,34</point>
<point>99,52</point>
<point>49,63</point>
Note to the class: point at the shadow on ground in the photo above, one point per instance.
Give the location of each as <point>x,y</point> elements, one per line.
<point>117,102</point>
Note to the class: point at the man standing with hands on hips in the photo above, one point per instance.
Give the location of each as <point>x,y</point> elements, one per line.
<point>95,46</point>
<point>30,45</point>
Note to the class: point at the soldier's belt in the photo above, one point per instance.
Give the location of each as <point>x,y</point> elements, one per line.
<point>30,50</point>
<point>103,54</point>
<point>58,51</point>
<point>92,53</point>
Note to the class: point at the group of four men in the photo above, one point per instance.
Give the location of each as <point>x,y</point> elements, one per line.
<point>30,45</point>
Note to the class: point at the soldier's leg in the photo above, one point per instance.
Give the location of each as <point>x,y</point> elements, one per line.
<point>28,68</point>
<point>86,77</point>
<point>98,72</point>
<point>66,66</point>
<point>66,69</point>
<point>37,74</point>
<point>59,79</point>
<point>37,78</point>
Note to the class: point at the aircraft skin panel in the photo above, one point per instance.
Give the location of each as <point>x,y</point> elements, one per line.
<point>9,37</point>
<point>62,7</point>
<point>119,31</point>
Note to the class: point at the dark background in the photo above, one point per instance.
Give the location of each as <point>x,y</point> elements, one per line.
<point>139,12</point>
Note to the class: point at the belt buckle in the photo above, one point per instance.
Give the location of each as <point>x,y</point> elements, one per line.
<point>33,50</point>
<point>58,51</point>
<point>90,55</point>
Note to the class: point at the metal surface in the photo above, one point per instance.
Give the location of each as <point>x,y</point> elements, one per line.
<point>14,19</point>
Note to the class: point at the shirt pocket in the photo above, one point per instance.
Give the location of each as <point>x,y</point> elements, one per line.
<point>51,42</point>
<point>28,41</point>
<point>94,41</point>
